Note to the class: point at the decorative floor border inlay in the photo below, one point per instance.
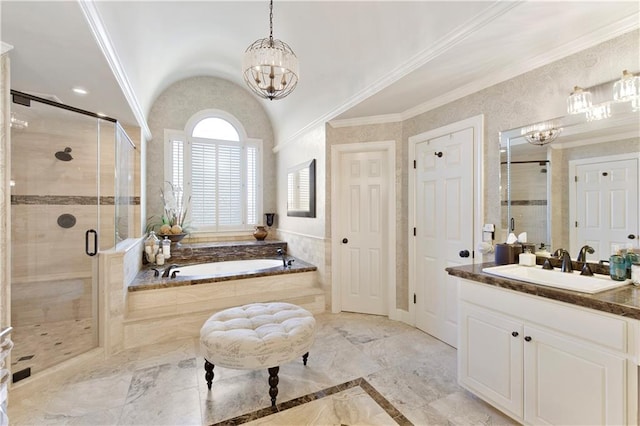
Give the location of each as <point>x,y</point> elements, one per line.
<point>392,411</point>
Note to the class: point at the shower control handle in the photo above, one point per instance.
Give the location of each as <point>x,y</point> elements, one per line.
<point>95,242</point>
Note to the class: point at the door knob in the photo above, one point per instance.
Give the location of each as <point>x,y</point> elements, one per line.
<point>438,154</point>
<point>464,253</point>
<point>631,237</point>
<point>345,241</point>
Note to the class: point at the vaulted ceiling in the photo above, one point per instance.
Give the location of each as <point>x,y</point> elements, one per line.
<point>360,61</point>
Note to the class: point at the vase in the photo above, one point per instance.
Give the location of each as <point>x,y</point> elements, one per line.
<point>260,233</point>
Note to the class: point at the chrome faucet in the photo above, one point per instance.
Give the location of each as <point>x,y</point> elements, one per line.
<point>284,259</point>
<point>167,271</point>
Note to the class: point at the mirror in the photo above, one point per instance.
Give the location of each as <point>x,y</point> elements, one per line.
<point>301,190</point>
<point>582,188</point>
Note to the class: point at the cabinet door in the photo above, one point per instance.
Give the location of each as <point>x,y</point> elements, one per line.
<point>571,383</point>
<point>490,357</point>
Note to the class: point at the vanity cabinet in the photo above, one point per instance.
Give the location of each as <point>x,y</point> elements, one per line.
<point>546,362</point>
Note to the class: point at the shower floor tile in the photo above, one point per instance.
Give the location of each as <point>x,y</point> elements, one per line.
<point>39,346</point>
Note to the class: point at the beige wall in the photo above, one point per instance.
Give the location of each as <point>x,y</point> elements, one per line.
<point>173,108</point>
<point>306,236</point>
<point>531,97</point>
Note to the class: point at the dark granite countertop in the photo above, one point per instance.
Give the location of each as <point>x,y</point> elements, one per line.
<point>146,281</point>
<point>623,301</point>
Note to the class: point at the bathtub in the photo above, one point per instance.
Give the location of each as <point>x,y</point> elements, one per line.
<point>229,267</point>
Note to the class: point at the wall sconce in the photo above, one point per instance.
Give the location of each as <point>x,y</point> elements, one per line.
<point>579,101</point>
<point>269,217</point>
<point>627,89</point>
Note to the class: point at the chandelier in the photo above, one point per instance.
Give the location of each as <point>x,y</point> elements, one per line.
<point>270,68</point>
<point>542,137</point>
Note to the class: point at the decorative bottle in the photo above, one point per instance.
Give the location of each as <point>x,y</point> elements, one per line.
<point>166,248</point>
<point>151,246</point>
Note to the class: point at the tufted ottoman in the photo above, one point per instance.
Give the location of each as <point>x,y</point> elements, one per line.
<point>259,335</point>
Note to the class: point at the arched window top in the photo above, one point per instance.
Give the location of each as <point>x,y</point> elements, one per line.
<point>215,128</point>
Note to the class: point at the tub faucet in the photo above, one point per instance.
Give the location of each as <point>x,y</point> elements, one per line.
<point>284,259</point>
<point>167,271</point>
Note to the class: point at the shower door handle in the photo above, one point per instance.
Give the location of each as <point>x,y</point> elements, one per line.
<point>95,242</point>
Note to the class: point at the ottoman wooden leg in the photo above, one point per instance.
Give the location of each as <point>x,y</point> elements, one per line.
<point>273,384</point>
<point>305,357</point>
<point>208,367</point>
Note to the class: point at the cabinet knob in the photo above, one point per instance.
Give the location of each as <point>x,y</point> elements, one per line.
<point>514,334</point>
<point>527,338</point>
<point>464,253</point>
<point>345,241</point>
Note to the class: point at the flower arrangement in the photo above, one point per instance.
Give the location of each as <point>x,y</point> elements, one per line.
<point>174,217</point>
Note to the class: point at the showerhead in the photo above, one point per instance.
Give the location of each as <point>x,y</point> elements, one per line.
<point>64,155</point>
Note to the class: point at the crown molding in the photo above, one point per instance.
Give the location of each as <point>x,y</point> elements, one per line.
<point>606,33</point>
<point>101,35</point>
<point>364,121</point>
<point>5,47</point>
<point>603,34</point>
<point>493,12</point>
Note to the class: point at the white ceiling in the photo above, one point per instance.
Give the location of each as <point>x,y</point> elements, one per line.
<point>360,61</point>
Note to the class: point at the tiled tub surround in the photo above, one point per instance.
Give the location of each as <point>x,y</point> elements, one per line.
<point>162,309</point>
<point>624,301</point>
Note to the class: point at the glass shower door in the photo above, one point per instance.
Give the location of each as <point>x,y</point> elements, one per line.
<point>55,218</point>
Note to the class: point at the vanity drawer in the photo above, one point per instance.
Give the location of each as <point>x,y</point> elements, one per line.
<point>586,324</point>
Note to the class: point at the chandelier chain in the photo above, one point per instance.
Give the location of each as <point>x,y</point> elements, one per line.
<point>271,21</point>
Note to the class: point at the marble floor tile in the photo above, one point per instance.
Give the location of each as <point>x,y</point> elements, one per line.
<point>413,374</point>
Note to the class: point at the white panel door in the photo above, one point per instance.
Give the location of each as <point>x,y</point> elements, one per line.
<point>606,206</point>
<point>568,383</point>
<point>363,232</point>
<point>444,228</point>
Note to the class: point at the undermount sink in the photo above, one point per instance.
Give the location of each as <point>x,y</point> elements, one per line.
<point>556,278</point>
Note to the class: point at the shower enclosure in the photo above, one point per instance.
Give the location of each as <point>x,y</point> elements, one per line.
<point>71,197</point>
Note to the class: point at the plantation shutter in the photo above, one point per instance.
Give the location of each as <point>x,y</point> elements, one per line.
<point>229,186</point>
<point>221,175</point>
<point>252,184</point>
<point>203,184</point>
<point>177,158</point>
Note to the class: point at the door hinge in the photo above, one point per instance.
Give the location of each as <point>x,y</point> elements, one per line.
<point>414,299</point>
<point>576,223</point>
<point>414,232</point>
<point>414,164</point>
<point>473,254</point>
<point>575,178</point>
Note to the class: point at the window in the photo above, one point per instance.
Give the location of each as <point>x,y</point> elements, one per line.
<point>219,170</point>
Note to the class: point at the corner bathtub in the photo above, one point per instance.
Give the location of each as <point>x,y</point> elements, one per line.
<point>228,267</point>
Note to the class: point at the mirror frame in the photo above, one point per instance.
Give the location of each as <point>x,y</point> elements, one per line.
<point>623,124</point>
<point>291,173</point>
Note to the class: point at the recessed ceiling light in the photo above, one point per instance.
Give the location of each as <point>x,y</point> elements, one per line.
<point>80,91</point>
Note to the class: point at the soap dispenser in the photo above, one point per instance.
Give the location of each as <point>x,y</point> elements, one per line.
<point>527,258</point>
